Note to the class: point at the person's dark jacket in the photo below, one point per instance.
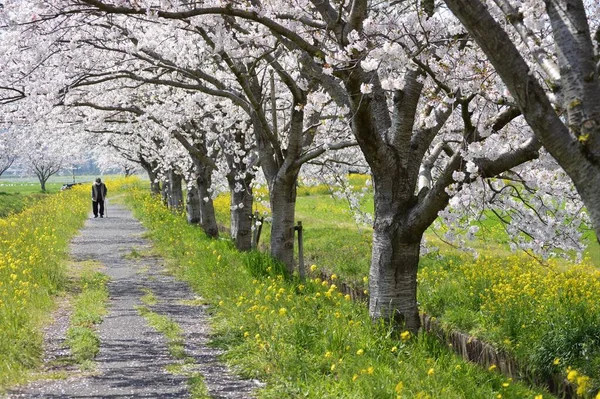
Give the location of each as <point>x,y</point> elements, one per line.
<point>98,191</point>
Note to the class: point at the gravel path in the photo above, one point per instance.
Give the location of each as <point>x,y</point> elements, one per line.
<point>133,356</point>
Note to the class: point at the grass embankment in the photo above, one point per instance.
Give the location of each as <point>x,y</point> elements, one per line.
<point>307,339</point>
<point>547,316</point>
<point>33,247</point>
<point>16,202</point>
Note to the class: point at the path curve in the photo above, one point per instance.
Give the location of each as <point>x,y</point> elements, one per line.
<point>133,357</point>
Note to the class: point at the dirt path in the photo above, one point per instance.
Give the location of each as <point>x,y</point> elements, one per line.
<point>134,358</point>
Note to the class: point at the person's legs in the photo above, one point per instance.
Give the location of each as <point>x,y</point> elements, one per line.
<point>95,208</point>
<point>101,203</point>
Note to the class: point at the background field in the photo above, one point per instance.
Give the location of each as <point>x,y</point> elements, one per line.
<point>16,193</point>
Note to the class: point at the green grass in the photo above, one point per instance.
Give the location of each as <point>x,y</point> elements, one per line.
<point>89,308</point>
<point>306,339</point>
<point>148,298</point>
<point>16,202</point>
<point>166,327</point>
<point>175,343</point>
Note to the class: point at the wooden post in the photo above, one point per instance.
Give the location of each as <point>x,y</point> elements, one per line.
<point>301,270</point>
<point>254,218</point>
<point>259,229</point>
<point>256,229</point>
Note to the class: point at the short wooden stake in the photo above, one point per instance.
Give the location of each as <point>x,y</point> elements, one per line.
<point>301,270</point>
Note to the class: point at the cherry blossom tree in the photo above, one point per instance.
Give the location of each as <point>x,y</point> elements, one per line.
<point>554,79</point>
<point>422,103</point>
<point>388,101</point>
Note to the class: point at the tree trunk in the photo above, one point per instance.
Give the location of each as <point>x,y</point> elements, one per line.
<point>393,279</point>
<point>154,188</point>
<point>241,217</point>
<point>207,211</point>
<point>208,220</point>
<point>283,208</point>
<point>193,206</point>
<point>154,184</point>
<point>165,193</point>
<point>175,199</point>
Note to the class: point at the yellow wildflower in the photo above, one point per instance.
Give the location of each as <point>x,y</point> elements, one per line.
<point>399,387</point>
<point>405,335</point>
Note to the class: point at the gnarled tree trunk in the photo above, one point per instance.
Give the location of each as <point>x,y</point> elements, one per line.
<point>241,216</point>
<point>393,278</point>
<point>175,193</point>
<point>154,184</point>
<point>283,208</point>
<point>194,214</point>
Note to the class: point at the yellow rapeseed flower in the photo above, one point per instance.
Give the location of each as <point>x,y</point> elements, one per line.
<point>360,352</point>
<point>313,268</point>
<point>405,335</point>
<point>399,387</point>
<point>556,361</point>
<point>430,372</point>
<point>582,384</point>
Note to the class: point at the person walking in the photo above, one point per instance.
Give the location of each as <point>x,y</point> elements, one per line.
<point>98,197</point>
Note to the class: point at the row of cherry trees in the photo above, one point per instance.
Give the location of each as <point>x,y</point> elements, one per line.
<point>222,94</point>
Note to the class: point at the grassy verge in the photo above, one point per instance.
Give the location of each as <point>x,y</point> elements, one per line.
<point>89,308</point>
<point>33,245</point>
<point>307,339</point>
<point>546,315</point>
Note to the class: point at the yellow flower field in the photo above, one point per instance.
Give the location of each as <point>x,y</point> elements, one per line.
<point>33,247</point>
